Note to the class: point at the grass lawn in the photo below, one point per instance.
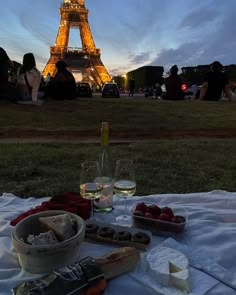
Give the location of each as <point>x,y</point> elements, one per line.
<point>123,114</point>
<point>182,165</point>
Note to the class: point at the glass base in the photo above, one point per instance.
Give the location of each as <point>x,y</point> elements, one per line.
<point>102,210</point>
<point>124,220</point>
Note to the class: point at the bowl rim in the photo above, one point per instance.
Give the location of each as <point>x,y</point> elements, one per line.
<point>57,212</point>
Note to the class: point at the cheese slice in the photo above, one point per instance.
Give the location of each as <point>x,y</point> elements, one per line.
<point>180,280</point>
<point>169,267</point>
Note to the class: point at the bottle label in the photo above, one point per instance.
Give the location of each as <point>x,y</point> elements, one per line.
<point>105,136</point>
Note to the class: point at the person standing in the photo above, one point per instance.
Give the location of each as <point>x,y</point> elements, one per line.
<point>131,87</point>
<point>158,91</point>
<point>28,80</point>
<point>215,83</point>
<point>173,85</point>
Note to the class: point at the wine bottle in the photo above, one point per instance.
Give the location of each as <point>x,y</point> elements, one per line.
<point>105,202</point>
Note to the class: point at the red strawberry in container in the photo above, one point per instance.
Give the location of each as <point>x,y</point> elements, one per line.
<point>168,211</point>
<point>154,210</point>
<point>174,220</point>
<point>148,219</point>
<point>164,217</point>
<point>141,207</point>
<point>148,215</point>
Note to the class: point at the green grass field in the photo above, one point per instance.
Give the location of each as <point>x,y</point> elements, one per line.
<point>175,164</point>
<point>123,114</point>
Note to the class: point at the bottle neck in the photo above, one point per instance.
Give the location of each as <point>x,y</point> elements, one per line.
<point>105,136</point>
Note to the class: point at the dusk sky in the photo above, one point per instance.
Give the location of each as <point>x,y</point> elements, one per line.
<point>130,33</point>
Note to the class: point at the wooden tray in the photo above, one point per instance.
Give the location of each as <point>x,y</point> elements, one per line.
<point>96,238</point>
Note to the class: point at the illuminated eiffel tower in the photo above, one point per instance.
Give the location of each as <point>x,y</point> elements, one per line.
<point>85,60</point>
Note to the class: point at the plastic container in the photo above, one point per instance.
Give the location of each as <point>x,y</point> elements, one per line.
<point>46,258</point>
<point>160,227</point>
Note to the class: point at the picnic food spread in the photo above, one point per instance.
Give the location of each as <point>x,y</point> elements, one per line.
<point>209,218</point>
<point>166,266</point>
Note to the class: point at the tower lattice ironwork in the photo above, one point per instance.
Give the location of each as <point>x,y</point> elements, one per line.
<point>86,60</point>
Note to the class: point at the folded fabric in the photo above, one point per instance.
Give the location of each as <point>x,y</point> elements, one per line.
<point>70,201</point>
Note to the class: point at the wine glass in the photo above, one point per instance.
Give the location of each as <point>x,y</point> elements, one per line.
<point>90,182</point>
<point>124,185</point>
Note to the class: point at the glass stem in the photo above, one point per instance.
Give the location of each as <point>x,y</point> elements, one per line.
<point>125,204</point>
<point>92,213</point>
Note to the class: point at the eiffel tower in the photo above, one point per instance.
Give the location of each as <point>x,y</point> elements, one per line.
<point>85,60</point>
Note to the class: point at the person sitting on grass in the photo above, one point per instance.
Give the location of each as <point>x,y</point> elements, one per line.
<point>215,83</point>
<point>7,91</point>
<point>173,85</point>
<point>62,85</point>
<point>28,81</point>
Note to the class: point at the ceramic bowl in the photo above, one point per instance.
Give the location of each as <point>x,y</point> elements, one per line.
<point>46,258</point>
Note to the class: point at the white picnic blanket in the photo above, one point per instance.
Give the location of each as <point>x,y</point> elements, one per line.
<point>211,231</point>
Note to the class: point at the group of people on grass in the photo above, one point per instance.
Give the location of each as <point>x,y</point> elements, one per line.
<point>215,83</point>
<point>28,86</point>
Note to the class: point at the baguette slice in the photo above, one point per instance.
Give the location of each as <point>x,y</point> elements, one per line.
<point>61,225</point>
<point>118,262</point>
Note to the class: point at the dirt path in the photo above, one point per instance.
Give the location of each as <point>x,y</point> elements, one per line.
<point>128,135</point>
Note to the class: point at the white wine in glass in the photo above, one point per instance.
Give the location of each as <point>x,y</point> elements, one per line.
<point>91,190</point>
<point>90,182</point>
<point>124,188</point>
<point>124,185</point>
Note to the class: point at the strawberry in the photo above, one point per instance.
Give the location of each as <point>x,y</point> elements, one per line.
<point>174,220</point>
<point>154,209</point>
<point>164,217</point>
<point>141,207</point>
<point>168,211</point>
<point>148,215</point>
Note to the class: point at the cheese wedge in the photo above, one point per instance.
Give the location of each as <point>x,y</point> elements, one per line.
<point>61,225</point>
<point>169,267</point>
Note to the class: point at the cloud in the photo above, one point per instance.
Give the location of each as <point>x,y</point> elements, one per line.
<point>41,28</point>
<point>139,58</point>
<point>199,18</point>
<point>186,54</point>
<point>212,43</point>
<point>131,23</point>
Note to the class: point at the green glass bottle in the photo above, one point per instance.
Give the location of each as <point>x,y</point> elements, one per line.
<point>105,202</point>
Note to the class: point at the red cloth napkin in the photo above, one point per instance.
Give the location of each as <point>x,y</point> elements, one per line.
<point>71,202</point>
